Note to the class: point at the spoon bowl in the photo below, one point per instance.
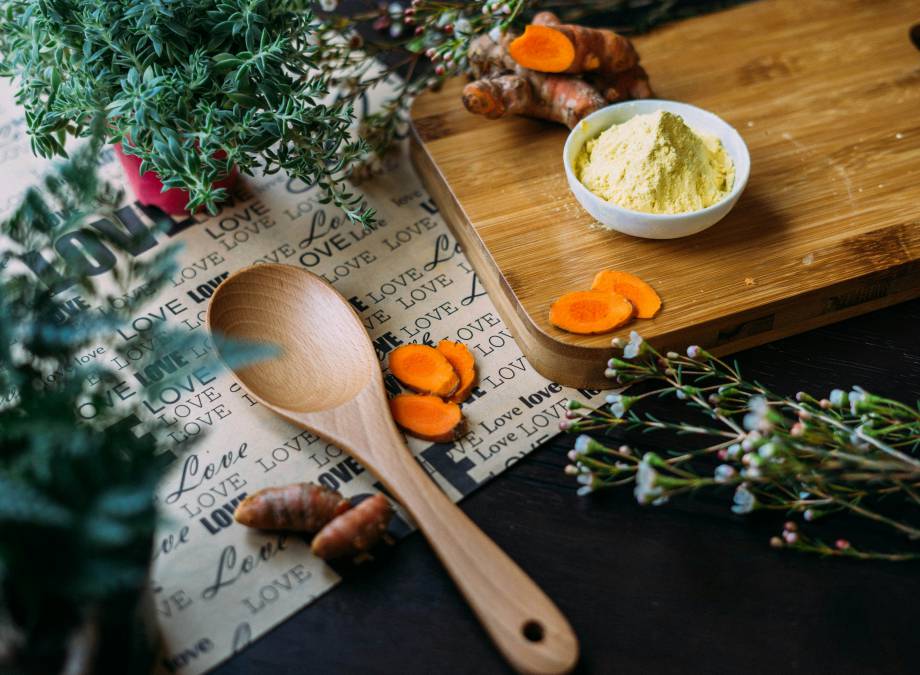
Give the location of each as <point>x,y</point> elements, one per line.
<point>327,379</point>
<point>326,359</point>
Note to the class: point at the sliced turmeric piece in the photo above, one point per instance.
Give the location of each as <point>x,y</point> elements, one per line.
<point>465,365</point>
<point>543,48</point>
<point>588,312</point>
<point>639,293</point>
<point>424,369</point>
<point>427,417</point>
<point>300,507</point>
<point>550,46</point>
<point>356,531</point>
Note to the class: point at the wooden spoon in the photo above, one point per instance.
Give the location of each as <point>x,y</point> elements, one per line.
<point>327,379</point>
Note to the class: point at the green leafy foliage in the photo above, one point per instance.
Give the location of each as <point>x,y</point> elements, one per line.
<point>192,88</point>
<point>77,511</point>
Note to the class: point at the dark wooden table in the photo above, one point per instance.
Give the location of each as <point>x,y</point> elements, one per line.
<point>685,588</point>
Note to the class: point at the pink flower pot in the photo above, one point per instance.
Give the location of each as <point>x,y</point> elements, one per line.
<point>148,188</point>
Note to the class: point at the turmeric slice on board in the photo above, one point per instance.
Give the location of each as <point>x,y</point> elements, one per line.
<point>427,417</point>
<point>424,369</point>
<point>639,293</point>
<point>588,312</point>
<point>465,365</point>
<point>354,532</point>
<point>300,507</point>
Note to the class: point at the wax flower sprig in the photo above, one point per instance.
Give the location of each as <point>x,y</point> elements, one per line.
<point>431,37</point>
<point>852,452</point>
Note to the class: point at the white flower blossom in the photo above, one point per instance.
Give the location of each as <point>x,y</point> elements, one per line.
<point>744,500</point>
<point>463,26</point>
<point>724,473</point>
<point>646,490</point>
<point>634,346</point>
<point>838,397</point>
<point>767,450</point>
<point>328,5</point>
<point>619,404</point>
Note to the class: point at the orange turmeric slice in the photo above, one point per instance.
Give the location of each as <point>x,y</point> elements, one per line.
<point>465,365</point>
<point>427,417</point>
<point>424,369</point>
<point>587,312</point>
<point>639,293</point>
<point>543,48</point>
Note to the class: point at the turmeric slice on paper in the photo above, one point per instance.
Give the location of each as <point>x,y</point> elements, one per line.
<point>424,369</point>
<point>588,312</point>
<point>639,293</point>
<point>427,417</point>
<point>465,365</point>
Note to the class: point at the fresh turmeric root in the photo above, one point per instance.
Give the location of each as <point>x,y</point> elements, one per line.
<point>630,84</point>
<point>550,46</point>
<point>424,369</point>
<point>589,312</point>
<point>504,86</point>
<point>354,532</point>
<point>428,417</point>
<point>300,507</point>
<point>463,363</point>
<point>557,99</point>
<point>640,294</point>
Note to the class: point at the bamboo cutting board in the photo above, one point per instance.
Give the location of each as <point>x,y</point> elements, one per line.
<point>826,94</point>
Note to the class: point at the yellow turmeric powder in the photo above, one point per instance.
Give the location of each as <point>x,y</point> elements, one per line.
<point>655,163</point>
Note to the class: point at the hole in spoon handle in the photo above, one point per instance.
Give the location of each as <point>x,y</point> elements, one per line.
<point>533,631</point>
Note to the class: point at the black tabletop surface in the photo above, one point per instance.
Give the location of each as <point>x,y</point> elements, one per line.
<point>684,588</point>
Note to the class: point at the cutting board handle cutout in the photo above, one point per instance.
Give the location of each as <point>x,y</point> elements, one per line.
<point>915,35</point>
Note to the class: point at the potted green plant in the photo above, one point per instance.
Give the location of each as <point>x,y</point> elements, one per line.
<point>196,90</point>
<point>193,91</point>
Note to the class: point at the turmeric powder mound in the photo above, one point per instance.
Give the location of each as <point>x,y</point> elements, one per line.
<point>655,163</point>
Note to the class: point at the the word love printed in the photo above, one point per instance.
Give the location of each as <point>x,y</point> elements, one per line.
<point>231,567</point>
<point>193,475</point>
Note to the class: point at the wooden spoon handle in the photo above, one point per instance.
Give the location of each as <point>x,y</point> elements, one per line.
<point>525,625</point>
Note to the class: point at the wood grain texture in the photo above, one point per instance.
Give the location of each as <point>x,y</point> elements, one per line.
<point>825,93</point>
<point>327,380</point>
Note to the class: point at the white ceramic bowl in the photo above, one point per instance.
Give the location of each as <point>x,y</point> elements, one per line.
<point>654,225</point>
